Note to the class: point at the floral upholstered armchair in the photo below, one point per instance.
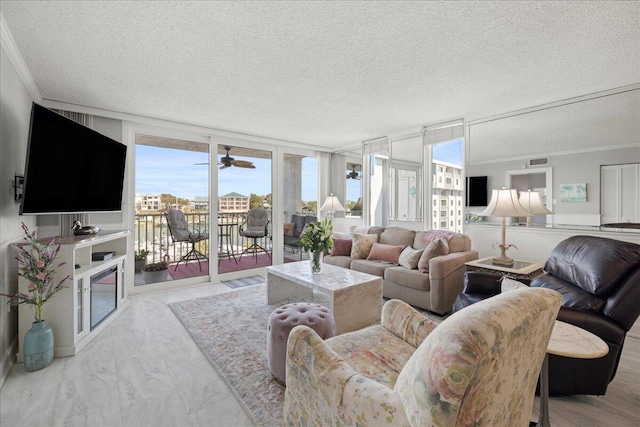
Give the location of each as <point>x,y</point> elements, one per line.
<point>478,367</point>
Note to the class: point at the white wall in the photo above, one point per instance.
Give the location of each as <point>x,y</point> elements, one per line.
<point>15,113</point>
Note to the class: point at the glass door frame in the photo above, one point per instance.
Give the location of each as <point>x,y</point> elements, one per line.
<point>129,131</point>
<point>278,192</point>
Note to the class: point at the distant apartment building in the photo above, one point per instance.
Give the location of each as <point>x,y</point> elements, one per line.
<point>447,212</point>
<point>148,202</point>
<point>233,202</point>
<point>200,203</point>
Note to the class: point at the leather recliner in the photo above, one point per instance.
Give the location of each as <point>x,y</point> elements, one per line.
<point>599,280</point>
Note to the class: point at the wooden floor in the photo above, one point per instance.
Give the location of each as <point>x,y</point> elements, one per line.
<point>145,370</point>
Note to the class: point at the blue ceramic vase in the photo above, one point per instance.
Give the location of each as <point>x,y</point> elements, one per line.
<point>38,346</point>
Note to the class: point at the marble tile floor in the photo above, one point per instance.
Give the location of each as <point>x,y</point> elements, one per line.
<point>144,370</point>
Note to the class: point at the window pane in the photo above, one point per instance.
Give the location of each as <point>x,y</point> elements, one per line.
<point>353,202</point>
<point>446,173</point>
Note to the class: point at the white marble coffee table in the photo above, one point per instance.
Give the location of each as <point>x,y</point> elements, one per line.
<point>569,341</point>
<point>354,298</point>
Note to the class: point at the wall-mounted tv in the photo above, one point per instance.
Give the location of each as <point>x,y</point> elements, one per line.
<point>476,191</point>
<point>70,168</point>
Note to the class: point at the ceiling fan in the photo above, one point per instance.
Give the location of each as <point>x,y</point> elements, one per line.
<point>353,174</point>
<point>228,161</point>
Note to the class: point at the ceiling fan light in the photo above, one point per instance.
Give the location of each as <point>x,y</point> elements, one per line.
<point>228,161</point>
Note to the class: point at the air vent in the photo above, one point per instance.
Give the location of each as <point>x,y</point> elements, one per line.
<point>83,119</point>
<point>539,161</point>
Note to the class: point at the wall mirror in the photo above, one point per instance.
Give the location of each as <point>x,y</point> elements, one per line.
<point>574,137</point>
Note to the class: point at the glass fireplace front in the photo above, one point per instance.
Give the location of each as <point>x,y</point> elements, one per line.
<point>103,295</point>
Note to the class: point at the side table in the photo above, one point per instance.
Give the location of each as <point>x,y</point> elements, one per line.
<point>224,233</point>
<point>519,270</point>
<point>569,341</point>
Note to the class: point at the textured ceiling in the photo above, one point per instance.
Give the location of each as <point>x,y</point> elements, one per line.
<point>325,73</point>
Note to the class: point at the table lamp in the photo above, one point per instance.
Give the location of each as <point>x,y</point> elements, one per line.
<point>532,203</point>
<point>504,203</point>
<point>357,208</point>
<point>332,205</point>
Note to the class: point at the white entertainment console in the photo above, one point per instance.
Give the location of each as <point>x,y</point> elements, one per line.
<point>95,294</point>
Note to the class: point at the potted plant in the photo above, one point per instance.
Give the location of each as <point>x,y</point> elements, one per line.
<point>140,258</point>
<point>315,239</point>
<point>37,267</point>
<point>155,272</point>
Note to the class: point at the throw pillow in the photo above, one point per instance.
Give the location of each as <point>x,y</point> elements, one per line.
<point>361,245</point>
<point>409,257</point>
<point>288,228</point>
<point>511,285</point>
<point>387,253</point>
<point>436,248</point>
<point>341,247</point>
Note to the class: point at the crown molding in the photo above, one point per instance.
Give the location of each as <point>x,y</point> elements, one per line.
<point>9,45</point>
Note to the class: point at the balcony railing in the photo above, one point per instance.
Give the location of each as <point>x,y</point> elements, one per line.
<point>151,233</point>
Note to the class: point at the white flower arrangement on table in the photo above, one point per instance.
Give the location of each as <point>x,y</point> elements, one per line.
<point>317,236</point>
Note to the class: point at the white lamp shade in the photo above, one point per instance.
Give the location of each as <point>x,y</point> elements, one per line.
<point>504,203</point>
<point>530,200</point>
<point>332,204</point>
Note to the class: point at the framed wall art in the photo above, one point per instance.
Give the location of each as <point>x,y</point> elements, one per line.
<point>573,192</point>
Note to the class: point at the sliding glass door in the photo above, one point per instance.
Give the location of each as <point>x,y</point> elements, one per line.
<point>171,175</point>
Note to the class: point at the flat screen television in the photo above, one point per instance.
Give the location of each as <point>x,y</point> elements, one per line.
<point>476,191</point>
<point>70,168</point>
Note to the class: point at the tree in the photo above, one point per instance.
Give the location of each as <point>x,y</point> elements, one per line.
<point>311,206</point>
<point>255,201</point>
<point>168,200</point>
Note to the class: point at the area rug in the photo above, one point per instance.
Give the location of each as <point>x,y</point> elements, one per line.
<point>231,331</point>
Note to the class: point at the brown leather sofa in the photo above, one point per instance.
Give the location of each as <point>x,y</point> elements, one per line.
<point>599,280</point>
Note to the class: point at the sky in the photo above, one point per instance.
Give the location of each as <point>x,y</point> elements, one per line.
<point>450,152</point>
<point>177,172</point>
<point>167,170</point>
<point>188,179</point>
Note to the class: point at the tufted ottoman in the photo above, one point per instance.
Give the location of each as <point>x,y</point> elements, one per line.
<point>283,320</point>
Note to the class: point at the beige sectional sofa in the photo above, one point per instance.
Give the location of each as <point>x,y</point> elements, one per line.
<point>434,290</point>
